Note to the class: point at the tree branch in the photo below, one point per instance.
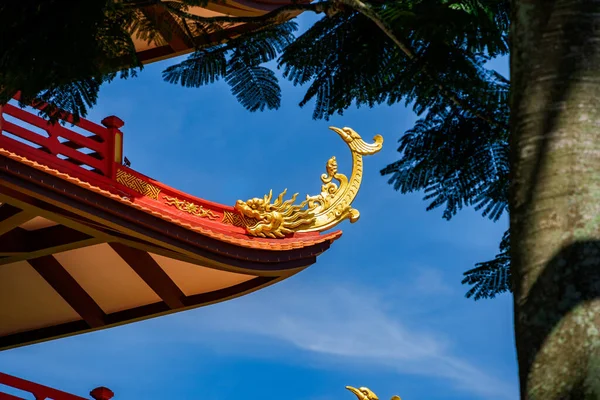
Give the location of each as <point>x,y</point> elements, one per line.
<point>368,12</point>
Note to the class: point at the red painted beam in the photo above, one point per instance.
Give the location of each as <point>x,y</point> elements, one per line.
<point>6,396</point>
<point>39,391</point>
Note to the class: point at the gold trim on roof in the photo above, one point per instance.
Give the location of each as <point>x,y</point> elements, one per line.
<point>137,184</point>
<point>317,213</point>
<point>190,208</point>
<point>236,219</point>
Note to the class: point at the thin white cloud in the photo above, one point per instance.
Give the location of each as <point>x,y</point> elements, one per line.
<point>351,324</point>
<point>431,281</point>
<point>338,325</point>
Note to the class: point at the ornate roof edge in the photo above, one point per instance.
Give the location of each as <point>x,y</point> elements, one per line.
<point>235,238</point>
<point>319,212</point>
<point>255,223</point>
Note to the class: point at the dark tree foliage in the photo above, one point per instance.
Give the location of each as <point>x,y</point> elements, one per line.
<point>61,52</point>
<point>347,61</point>
<point>430,54</point>
<point>459,160</point>
<point>458,152</point>
<point>240,63</point>
<point>492,277</point>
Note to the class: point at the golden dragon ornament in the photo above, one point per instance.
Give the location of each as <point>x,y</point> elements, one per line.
<point>317,213</point>
<point>364,393</point>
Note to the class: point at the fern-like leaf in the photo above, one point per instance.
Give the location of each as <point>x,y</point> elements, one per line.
<point>255,87</point>
<point>491,278</point>
<point>201,68</point>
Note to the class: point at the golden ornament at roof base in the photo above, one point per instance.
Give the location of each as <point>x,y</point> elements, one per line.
<point>317,213</point>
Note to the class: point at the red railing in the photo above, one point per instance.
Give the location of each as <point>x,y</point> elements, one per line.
<point>41,392</point>
<point>85,145</point>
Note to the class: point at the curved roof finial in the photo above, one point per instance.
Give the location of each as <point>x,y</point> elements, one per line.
<point>317,213</point>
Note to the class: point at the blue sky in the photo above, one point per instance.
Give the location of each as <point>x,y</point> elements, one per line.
<point>383,308</point>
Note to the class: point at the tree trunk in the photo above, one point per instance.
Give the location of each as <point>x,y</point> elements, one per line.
<point>555,196</point>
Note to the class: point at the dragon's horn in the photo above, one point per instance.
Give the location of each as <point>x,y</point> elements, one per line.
<point>279,201</point>
<point>268,197</point>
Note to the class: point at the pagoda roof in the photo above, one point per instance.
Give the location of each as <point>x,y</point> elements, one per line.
<point>220,222</point>
<point>88,243</point>
<point>176,42</point>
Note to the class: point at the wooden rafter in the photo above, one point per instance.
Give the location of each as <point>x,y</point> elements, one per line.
<point>137,313</point>
<point>20,240</point>
<point>144,265</point>
<point>11,217</point>
<point>168,27</point>
<point>219,36</point>
<point>20,244</point>
<point>67,287</point>
<point>51,212</point>
<point>13,243</point>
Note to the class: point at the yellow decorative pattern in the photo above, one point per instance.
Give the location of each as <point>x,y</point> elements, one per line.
<point>364,393</point>
<point>190,208</point>
<point>317,213</point>
<point>236,219</point>
<point>137,184</point>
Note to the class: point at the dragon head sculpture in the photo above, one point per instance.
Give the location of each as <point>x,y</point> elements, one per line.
<point>277,219</point>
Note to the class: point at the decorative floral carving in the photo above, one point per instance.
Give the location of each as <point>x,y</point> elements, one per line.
<point>190,208</point>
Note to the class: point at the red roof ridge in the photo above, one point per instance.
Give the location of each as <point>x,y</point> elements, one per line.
<point>233,235</point>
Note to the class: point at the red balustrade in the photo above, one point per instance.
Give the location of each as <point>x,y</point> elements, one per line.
<point>41,392</point>
<point>98,149</point>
